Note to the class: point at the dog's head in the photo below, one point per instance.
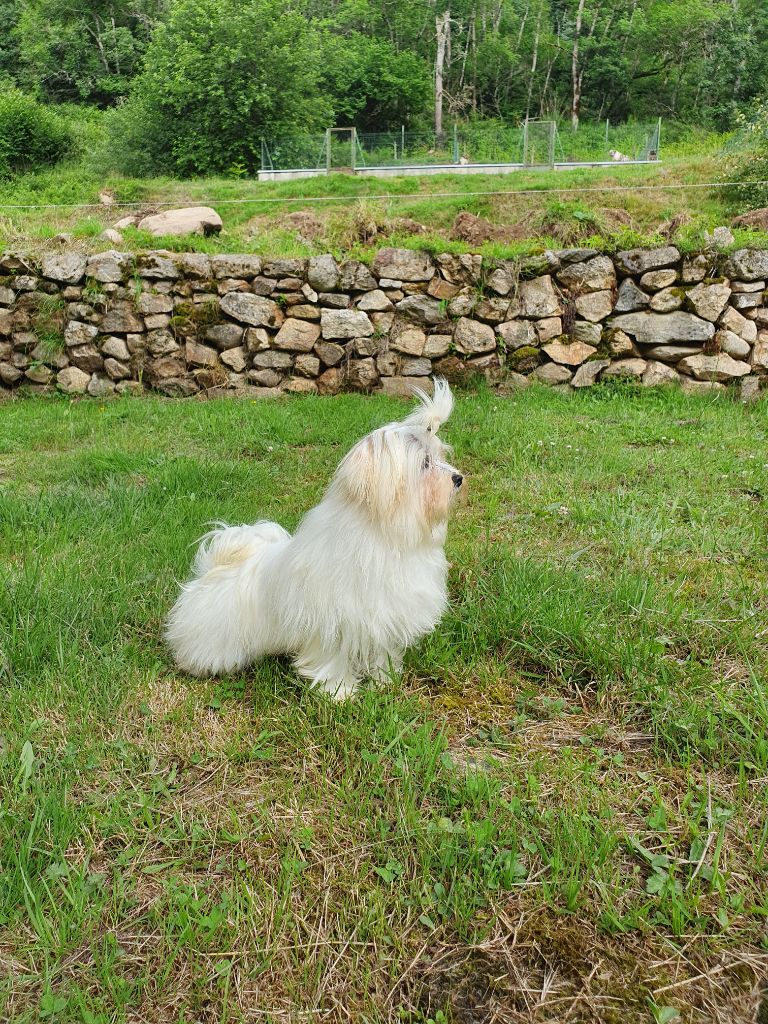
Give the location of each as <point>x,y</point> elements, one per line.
<point>399,474</point>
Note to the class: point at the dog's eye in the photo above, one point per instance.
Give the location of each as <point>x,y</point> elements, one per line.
<point>427,463</point>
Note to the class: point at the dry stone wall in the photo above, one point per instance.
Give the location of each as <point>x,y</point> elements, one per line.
<point>182,323</point>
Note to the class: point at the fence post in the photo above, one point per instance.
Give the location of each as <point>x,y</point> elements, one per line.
<point>455,144</point>
<point>402,141</point>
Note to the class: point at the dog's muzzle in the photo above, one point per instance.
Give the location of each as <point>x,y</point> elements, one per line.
<point>458,480</point>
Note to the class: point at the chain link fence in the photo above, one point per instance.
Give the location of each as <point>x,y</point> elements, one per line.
<point>531,144</point>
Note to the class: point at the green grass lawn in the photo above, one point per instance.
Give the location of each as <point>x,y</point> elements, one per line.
<point>621,210</point>
<point>559,813</point>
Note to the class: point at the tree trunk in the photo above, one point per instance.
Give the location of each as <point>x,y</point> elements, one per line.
<point>442,28</point>
<point>576,73</point>
<point>534,62</point>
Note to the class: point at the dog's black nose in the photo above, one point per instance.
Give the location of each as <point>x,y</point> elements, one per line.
<point>458,480</point>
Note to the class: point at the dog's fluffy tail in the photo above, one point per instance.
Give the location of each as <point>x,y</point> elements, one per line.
<point>433,410</point>
<point>226,546</point>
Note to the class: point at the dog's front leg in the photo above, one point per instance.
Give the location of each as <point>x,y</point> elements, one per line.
<point>326,671</point>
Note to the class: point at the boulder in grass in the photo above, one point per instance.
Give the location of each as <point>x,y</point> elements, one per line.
<point>192,220</point>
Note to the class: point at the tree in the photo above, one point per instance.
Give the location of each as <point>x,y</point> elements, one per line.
<point>219,76</point>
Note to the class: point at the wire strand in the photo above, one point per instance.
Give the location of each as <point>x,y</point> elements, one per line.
<point>393,195</point>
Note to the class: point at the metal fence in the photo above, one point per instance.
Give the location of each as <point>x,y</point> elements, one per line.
<point>531,144</point>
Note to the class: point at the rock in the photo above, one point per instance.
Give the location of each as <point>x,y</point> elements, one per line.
<point>307,365</point>
<point>158,265</point>
<point>86,358</point>
<point>110,267</point>
<point>388,364</point>
<point>300,386</point>
<point>416,367</point>
<point>421,310</point>
<point>235,358</point>
<point>354,276</point>
<point>333,301</point>
<point>243,266</point>
<point>362,374</point>
<point>197,265</point>
<point>409,340</point>
<point>589,334</point>
<point>304,311</point>
<point>323,273</point>
<point>330,382</point>
<point>200,355</point>
<point>524,359</point>
<point>593,275</point>
<point>129,387</point>
<point>462,305</point>
<point>730,343</point>
<point>116,370</point>
<point>100,387</point>
<point>265,378</point>
<point>718,367</point>
<point>574,255</point>
<point>151,303</point>
<point>547,329</point>
<point>660,328</point>
<point>397,387</point>
<point>126,222</point>
<point>344,323</point>
<point>192,220</point>
<point>630,297</point>
<point>538,298</point>
<point>746,300</point>
<point>638,261</point>
<point>7,296</point>
<point>657,373</point>
<point>750,388</point>
<point>573,354</point>
<point>552,373</point>
<point>699,387</point>
<point>437,345</point>
<point>40,374</point>
<point>67,267</point>
<point>515,334</point>
<point>330,353</point>
<point>594,306</point>
<point>272,360</point>
<point>672,353</point>
<point>626,368</point>
<point>694,269</point>
<point>747,265</point>
<point>297,336</point>
<point>466,269</point>
<point>252,309</point>
<point>473,338</point>
<point>72,381</point>
<point>500,280</point>
<point>161,343</point>
<point>709,300</point>
<point>285,268</point>
<point>403,265</point>
<point>376,302</point>
<point>655,280</point>
<point>760,352</point>
<point>494,310</point>
<point>734,321</point>
<point>116,348</point>
<point>755,220</point>
<point>224,336</point>
<point>620,344</point>
<point>76,333</point>
<point>10,374</point>
<point>667,300</point>
<point>587,373</point>
<point>437,288</point>
<point>720,238</point>
<point>120,318</point>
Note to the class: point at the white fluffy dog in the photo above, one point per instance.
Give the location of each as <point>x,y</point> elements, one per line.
<point>363,577</point>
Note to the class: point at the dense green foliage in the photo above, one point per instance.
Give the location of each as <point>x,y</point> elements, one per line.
<point>203,81</point>
<point>750,164</point>
<point>31,135</point>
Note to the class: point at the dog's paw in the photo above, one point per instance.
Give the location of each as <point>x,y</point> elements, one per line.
<point>338,690</point>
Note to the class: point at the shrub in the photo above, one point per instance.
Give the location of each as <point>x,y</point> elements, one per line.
<point>219,76</point>
<point>31,135</point>
<point>749,163</point>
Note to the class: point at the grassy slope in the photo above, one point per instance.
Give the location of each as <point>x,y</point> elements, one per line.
<point>344,226</point>
<point>561,810</point>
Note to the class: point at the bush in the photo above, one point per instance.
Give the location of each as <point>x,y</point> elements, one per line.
<point>31,135</point>
<point>749,163</point>
<point>219,76</point>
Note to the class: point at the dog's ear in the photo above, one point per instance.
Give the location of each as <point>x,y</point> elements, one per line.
<point>371,475</point>
<point>433,410</point>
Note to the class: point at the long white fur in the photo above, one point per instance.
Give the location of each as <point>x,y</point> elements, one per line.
<point>363,577</point>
